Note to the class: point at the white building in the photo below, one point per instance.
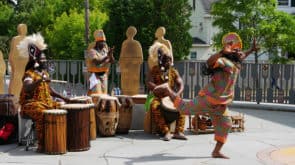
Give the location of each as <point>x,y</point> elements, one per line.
<point>287,6</point>
<point>202,29</point>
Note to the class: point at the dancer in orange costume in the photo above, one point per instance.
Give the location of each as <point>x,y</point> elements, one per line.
<point>214,98</point>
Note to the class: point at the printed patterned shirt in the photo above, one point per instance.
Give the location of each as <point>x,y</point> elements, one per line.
<point>220,89</point>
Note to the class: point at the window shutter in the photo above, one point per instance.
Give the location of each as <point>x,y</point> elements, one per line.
<point>292,3</point>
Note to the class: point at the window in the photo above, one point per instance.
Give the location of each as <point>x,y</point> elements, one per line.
<point>193,55</point>
<point>290,3</point>
<point>283,2</point>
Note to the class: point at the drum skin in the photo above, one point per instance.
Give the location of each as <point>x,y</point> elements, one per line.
<point>168,110</point>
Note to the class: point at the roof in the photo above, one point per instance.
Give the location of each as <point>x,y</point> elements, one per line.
<point>197,40</point>
<point>207,4</point>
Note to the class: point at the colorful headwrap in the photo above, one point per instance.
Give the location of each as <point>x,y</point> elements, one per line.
<point>234,38</point>
<point>154,56</point>
<point>99,35</point>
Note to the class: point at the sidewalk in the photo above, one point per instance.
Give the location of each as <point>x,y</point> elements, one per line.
<point>268,139</point>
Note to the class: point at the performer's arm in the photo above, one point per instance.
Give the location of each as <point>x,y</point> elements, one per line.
<point>29,85</point>
<point>56,94</point>
<point>212,60</point>
<point>179,83</point>
<point>245,54</point>
<point>149,82</point>
<point>98,61</point>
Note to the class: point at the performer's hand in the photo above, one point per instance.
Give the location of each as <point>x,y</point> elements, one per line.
<point>67,100</point>
<point>110,54</point>
<point>45,78</point>
<point>254,46</point>
<point>162,90</point>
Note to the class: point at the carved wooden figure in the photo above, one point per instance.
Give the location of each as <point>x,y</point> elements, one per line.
<point>17,62</point>
<point>2,73</point>
<point>130,60</point>
<point>160,33</point>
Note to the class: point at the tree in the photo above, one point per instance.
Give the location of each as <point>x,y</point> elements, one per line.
<point>257,19</point>
<point>147,16</point>
<point>66,38</point>
<point>51,17</point>
<point>5,18</point>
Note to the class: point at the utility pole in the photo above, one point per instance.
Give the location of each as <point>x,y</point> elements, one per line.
<point>86,22</point>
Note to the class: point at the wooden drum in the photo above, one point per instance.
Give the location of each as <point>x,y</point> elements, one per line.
<point>88,100</point>
<point>168,110</point>
<point>55,126</point>
<point>78,129</point>
<point>125,113</point>
<point>8,105</point>
<point>106,113</point>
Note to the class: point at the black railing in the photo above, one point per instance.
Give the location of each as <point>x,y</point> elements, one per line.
<point>275,82</point>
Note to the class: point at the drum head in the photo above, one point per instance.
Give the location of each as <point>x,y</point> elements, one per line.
<point>167,104</point>
<point>77,106</point>
<point>107,97</point>
<point>55,111</point>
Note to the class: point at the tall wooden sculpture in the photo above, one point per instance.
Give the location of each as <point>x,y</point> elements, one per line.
<point>17,62</point>
<point>160,33</point>
<point>2,73</point>
<point>130,60</point>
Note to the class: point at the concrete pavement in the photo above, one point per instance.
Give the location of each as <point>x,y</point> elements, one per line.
<point>268,139</point>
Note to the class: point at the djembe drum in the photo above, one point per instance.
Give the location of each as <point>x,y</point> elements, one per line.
<point>168,110</point>
<point>125,113</point>
<point>106,113</point>
<point>88,100</point>
<point>55,127</point>
<point>8,105</point>
<point>78,129</point>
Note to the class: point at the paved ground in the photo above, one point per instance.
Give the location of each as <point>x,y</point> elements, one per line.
<point>268,139</point>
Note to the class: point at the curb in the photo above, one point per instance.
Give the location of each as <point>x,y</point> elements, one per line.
<point>263,106</point>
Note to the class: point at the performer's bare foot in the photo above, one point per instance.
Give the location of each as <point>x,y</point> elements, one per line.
<point>167,137</point>
<point>219,155</point>
<point>40,149</point>
<point>180,136</point>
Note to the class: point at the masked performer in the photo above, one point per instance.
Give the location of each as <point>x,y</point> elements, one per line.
<point>161,72</point>
<point>98,62</point>
<point>214,98</point>
<point>36,94</point>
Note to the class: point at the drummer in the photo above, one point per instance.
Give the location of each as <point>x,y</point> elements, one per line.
<point>98,62</point>
<point>36,94</point>
<point>161,72</point>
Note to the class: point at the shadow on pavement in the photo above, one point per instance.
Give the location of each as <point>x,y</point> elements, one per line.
<point>155,158</point>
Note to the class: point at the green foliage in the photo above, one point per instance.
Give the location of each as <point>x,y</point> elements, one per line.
<point>62,23</point>
<point>257,19</point>
<point>66,39</point>
<point>280,60</point>
<point>147,16</point>
<point>5,18</point>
